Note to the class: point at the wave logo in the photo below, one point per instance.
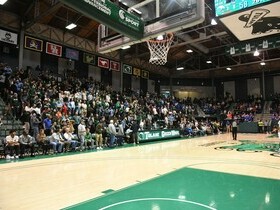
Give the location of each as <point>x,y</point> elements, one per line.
<point>129,20</point>
<point>122,14</point>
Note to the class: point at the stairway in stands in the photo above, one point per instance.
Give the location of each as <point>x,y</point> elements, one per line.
<point>200,113</point>
<point>8,122</point>
<point>265,115</point>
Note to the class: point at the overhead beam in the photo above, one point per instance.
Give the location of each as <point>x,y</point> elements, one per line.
<point>46,13</point>
<point>182,73</point>
<point>193,41</point>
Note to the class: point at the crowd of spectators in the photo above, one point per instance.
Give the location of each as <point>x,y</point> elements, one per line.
<point>68,111</point>
<point>88,114</point>
<point>275,106</point>
<point>212,106</point>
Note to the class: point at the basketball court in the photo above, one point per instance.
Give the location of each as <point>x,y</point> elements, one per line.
<point>193,173</point>
<point>210,172</point>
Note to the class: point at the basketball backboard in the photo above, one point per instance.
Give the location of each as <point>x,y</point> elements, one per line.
<point>159,17</point>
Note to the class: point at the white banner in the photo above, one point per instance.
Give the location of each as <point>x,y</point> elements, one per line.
<point>9,37</point>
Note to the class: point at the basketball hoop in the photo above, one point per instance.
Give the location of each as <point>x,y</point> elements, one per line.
<point>159,49</point>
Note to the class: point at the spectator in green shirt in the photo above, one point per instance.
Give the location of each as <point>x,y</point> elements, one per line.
<point>89,139</point>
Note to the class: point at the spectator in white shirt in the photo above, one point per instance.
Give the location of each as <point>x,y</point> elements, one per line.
<point>56,141</point>
<point>12,145</point>
<point>82,133</point>
<point>68,139</point>
<point>112,131</point>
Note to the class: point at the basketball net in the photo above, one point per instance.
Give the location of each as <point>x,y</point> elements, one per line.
<point>159,49</point>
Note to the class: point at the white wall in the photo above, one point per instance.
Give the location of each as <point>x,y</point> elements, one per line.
<point>253,87</point>
<point>191,91</point>
<point>276,81</point>
<point>116,80</point>
<point>94,72</point>
<point>31,58</point>
<point>230,88</point>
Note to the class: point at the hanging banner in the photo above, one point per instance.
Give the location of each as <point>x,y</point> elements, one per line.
<point>127,69</point>
<point>103,63</point>
<point>9,37</point>
<point>115,66</point>
<point>111,15</point>
<point>33,44</point>
<point>246,47</point>
<point>53,49</point>
<point>136,72</point>
<point>89,58</point>
<point>145,74</point>
<point>72,54</point>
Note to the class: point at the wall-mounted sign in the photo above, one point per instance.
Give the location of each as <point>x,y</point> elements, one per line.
<point>158,135</point>
<point>254,23</point>
<point>127,69</point>
<point>145,74</point>
<point>136,72</point>
<point>33,44</point>
<point>8,37</point>
<point>53,49</point>
<point>89,58</point>
<point>72,54</point>
<point>103,63</point>
<point>115,66</point>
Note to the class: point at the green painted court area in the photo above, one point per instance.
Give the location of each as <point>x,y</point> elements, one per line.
<point>193,189</point>
<point>248,145</point>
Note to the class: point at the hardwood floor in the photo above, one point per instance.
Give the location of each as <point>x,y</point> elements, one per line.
<point>58,182</point>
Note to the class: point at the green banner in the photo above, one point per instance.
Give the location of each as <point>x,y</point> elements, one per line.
<point>111,15</point>
<point>247,47</point>
<point>158,135</point>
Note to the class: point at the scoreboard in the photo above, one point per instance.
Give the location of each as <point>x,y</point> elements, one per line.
<point>225,7</point>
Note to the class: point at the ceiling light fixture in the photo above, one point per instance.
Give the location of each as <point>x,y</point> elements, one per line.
<point>71,26</point>
<point>3,2</point>
<point>262,63</point>
<point>180,68</point>
<point>160,37</point>
<point>125,47</point>
<point>189,51</point>
<point>213,22</point>
<point>256,53</point>
<point>208,61</point>
<point>228,68</point>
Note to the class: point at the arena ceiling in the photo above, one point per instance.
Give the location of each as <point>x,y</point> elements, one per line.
<point>205,40</point>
